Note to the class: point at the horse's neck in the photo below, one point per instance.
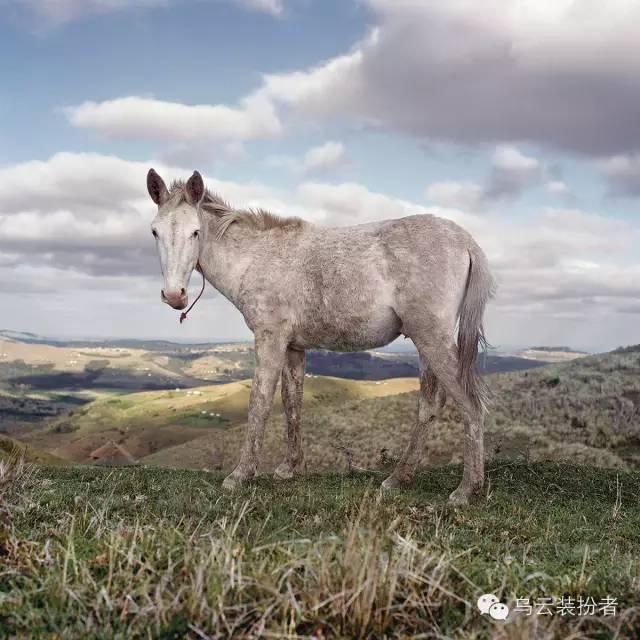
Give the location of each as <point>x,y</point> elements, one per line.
<point>225,260</point>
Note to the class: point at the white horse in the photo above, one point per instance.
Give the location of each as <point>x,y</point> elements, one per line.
<point>301,286</point>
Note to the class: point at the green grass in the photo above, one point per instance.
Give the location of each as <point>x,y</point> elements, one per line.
<point>141,553</point>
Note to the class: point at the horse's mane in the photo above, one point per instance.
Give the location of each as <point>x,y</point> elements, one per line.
<point>226,215</point>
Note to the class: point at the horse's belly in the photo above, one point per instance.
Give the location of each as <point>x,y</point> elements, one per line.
<point>350,332</point>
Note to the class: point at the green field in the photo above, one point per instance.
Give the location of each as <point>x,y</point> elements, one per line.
<point>155,553</point>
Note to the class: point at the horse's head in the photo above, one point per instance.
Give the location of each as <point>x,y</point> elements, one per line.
<point>176,229</point>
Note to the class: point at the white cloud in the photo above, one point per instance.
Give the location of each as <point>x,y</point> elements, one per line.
<point>508,158</point>
<point>350,203</point>
<point>90,181</point>
<point>511,174</point>
<point>323,159</point>
<point>622,173</point>
<point>562,73</point>
<point>558,188</point>
<point>136,118</point>
<point>274,7</point>
<point>459,195</point>
<point>91,212</point>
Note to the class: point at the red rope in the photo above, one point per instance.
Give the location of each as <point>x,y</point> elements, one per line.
<point>183,315</point>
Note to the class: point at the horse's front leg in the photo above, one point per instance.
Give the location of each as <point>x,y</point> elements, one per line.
<point>270,348</point>
<point>292,391</point>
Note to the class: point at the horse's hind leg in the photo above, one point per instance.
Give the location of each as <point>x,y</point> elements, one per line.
<point>430,400</point>
<point>442,357</point>
<point>292,390</point>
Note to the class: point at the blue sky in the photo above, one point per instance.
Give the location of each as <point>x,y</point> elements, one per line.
<point>515,119</point>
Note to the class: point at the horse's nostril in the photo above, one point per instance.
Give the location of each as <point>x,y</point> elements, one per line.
<point>183,291</point>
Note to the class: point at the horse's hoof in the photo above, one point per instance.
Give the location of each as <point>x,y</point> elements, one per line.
<point>283,472</point>
<point>233,482</point>
<point>391,484</point>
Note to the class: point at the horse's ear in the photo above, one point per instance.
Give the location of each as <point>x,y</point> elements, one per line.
<point>194,190</point>
<point>157,188</point>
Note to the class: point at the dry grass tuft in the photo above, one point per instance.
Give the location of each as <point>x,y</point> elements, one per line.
<point>15,477</point>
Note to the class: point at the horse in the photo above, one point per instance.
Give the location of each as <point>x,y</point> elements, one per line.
<point>304,286</point>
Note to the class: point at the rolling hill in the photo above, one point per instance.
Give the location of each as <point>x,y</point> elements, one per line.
<point>586,410</point>
<point>148,422</point>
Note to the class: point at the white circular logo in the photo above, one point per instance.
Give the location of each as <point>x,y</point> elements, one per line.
<point>499,611</point>
<point>488,603</point>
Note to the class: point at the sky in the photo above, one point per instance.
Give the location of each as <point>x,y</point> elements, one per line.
<point>516,119</point>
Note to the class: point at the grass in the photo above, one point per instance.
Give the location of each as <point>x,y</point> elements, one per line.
<point>155,553</point>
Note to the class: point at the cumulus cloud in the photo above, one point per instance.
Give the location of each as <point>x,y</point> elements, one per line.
<point>322,159</point>
<point>510,175</point>
<point>91,213</point>
<point>136,118</point>
<point>350,203</point>
<point>458,195</point>
<point>566,74</point>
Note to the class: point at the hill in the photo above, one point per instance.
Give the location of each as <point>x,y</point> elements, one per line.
<point>149,422</point>
<point>31,362</point>
<point>41,378</point>
<point>150,553</point>
<point>587,410</point>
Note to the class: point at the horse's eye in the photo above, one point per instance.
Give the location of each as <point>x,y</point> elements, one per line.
<point>195,234</point>
<point>154,233</point>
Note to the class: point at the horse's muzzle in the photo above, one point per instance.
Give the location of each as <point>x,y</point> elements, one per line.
<point>176,299</point>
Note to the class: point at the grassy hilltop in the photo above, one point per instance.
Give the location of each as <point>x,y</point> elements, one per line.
<point>150,553</point>
<point>153,552</point>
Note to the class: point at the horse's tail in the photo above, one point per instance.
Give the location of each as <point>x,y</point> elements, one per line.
<point>479,289</point>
